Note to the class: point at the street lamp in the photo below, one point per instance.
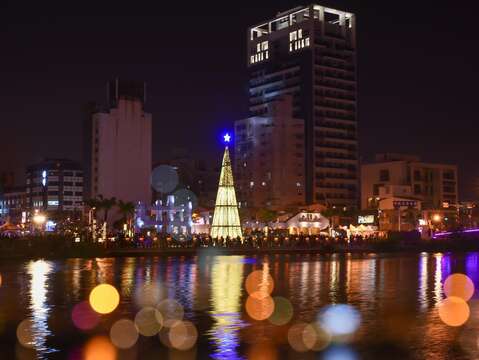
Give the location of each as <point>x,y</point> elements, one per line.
<point>39,219</point>
<point>436,218</point>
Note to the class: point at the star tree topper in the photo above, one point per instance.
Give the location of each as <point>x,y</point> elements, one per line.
<point>227,138</point>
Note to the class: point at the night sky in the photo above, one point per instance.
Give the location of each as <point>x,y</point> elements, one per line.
<point>418,75</point>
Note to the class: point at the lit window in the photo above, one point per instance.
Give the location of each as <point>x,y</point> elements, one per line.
<point>264,45</point>
<point>251,184</point>
<point>307,41</point>
<point>300,33</point>
<point>252,58</point>
<point>302,43</point>
<point>258,47</point>
<point>290,46</point>
<point>266,54</point>
<point>293,36</point>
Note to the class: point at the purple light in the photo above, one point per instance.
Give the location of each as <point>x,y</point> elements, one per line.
<point>445,233</point>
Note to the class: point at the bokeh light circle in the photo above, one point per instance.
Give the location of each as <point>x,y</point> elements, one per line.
<point>453,311</point>
<point>124,334</point>
<point>184,196</point>
<point>164,179</point>
<point>84,317</point>
<point>148,321</point>
<point>99,348</point>
<point>259,283</point>
<point>283,311</point>
<point>25,334</point>
<point>295,337</point>
<point>170,311</point>
<point>104,298</point>
<point>339,353</point>
<point>340,319</point>
<point>183,335</point>
<point>315,338</point>
<point>262,351</point>
<point>259,307</point>
<point>459,285</point>
<point>148,295</point>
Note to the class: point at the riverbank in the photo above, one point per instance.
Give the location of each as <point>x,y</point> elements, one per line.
<point>59,248</point>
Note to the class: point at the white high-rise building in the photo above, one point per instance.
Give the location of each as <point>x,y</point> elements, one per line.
<point>120,148</point>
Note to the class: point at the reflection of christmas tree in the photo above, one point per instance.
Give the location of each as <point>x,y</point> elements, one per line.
<point>226,221</point>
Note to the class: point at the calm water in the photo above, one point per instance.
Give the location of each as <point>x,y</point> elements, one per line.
<point>396,296</point>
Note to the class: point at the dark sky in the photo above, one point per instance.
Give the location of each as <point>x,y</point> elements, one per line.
<point>418,71</point>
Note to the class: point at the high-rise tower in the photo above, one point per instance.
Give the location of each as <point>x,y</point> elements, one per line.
<point>119,145</point>
<point>310,53</point>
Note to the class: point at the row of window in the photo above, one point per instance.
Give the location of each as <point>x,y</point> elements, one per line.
<point>335,125</point>
<point>259,57</point>
<point>333,114</point>
<point>327,164</point>
<point>298,44</point>
<point>333,134</point>
<point>333,145</point>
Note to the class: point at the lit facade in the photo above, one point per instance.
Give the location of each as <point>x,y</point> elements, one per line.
<point>120,145</point>
<point>13,203</point>
<point>434,185</point>
<point>269,154</point>
<point>310,53</point>
<point>55,185</point>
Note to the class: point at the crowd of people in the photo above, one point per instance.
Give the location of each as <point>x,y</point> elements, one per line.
<point>254,241</point>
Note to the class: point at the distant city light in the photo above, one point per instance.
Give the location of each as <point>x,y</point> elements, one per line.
<point>44,178</point>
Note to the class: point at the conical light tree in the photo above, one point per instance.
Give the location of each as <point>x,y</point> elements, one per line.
<point>226,221</point>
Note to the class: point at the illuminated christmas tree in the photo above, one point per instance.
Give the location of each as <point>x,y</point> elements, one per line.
<point>226,221</point>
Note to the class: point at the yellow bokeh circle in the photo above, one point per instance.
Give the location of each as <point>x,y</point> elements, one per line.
<point>104,299</point>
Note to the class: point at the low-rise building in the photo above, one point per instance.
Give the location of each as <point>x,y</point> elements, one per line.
<point>55,185</point>
<point>13,205</point>
<point>434,185</point>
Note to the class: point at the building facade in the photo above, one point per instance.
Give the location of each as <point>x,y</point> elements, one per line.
<point>55,185</point>
<point>310,53</point>
<point>269,153</point>
<point>13,204</point>
<point>434,185</point>
<point>119,145</point>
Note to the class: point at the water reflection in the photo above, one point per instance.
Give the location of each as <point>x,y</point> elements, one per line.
<point>423,281</point>
<point>38,272</point>
<point>472,270</point>
<point>395,295</point>
<point>226,285</point>
<point>438,279</point>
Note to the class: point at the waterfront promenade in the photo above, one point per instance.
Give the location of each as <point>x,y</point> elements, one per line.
<point>54,246</point>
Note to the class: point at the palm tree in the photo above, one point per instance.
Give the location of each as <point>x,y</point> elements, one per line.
<point>127,209</point>
<point>106,204</point>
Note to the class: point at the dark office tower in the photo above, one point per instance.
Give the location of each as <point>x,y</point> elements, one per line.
<point>310,52</point>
